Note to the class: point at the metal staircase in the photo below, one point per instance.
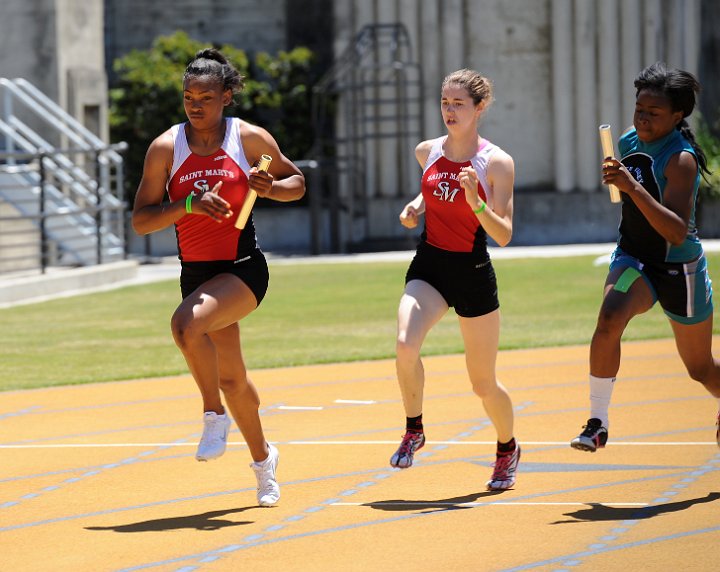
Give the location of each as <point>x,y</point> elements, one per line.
<point>367,116</point>
<point>61,180</point>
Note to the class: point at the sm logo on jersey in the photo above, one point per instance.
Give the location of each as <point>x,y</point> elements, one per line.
<point>444,193</point>
<point>201,186</point>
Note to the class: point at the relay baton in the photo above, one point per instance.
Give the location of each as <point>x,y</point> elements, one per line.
<point>242,218</point>
<point>608,151</point>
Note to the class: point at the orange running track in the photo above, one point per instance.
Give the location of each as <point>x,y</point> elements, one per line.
<point>102,477</point>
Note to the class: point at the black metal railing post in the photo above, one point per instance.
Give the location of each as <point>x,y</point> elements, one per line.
<point>41,210</point>
<point>98,209</point>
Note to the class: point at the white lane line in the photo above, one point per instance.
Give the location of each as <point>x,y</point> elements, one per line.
<point>553,443</point>
<point>498,503</point>
<point>324,443</point>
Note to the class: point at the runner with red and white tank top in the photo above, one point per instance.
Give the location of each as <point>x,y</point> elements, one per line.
<point>204,166</point>
<point>201,238</point>
<point>450,223</point>
<point>466,196</point>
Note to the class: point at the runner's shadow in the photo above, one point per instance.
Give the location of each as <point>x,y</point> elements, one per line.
<point>454,503</point>
<point>599,512</point>
<point>204,521</point>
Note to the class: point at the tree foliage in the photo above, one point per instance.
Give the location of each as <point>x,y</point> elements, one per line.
<point>710,144</point>
<point>146,99</point>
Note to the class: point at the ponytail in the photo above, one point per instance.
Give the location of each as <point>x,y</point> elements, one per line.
<point>687,132</point>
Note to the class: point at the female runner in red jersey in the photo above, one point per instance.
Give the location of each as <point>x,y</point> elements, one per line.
<point>204,165</point>
<point>466,194</point>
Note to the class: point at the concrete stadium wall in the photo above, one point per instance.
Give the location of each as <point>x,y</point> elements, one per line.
<point>57,45</point>
<point>253,25</point>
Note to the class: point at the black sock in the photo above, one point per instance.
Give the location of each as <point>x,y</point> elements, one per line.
<point>414,424</point>
<point>508,447</point>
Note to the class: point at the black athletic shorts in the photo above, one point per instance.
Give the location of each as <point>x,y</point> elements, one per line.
<point>465,279</point>
<point>251,269</point>
<point>684,289</point>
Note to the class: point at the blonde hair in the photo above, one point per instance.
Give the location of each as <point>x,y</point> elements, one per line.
<point>479,87</point>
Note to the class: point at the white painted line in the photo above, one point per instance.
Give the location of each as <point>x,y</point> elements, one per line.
<point>491,503</point>
<point>553,443</point>
<point>323,443</point>
<point>299,407</point>
<point>355,401</point>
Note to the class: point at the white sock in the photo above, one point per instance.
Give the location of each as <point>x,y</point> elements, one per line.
<point>600,392</point>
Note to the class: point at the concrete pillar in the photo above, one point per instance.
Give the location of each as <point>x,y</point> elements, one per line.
<point>562,87</point>
<point>609,66</point>
<point>586,124</point>
<point>453,35</point>
<point>691,36</point>
<point>652,27</point>
<point>409,15</point>
<point>386,110</point>
<point>433,74</point>
<point>631,61</point>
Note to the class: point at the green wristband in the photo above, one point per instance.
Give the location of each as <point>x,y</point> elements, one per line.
<point>481,208</point>
<point>188,203</point>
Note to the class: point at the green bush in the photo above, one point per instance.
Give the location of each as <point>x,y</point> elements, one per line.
<point>710,184</point>
<point>146,99</point>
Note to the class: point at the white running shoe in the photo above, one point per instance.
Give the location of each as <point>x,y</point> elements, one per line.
<point>214,438</point>
<point>268,490</point>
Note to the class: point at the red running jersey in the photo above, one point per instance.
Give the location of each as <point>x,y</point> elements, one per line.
<point>199,237</point>
<point>450,223</point>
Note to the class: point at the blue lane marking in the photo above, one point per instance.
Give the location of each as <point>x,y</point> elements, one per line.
<point>587,553</point>
<point>27,411</point>
<point>256,539</point>
<point>630,523</point>
<point>90,474</point>
<point>379,477</point>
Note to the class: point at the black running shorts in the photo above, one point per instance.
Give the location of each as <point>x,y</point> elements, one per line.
<point>466,280</point>
<point>251,269</point>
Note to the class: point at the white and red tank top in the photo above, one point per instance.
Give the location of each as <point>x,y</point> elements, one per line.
<point>450,223</point>
<point>200,238</point>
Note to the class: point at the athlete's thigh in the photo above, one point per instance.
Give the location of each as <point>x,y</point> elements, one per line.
<point>217,303</point>
<point>627,293</point>
<point>421,307</point>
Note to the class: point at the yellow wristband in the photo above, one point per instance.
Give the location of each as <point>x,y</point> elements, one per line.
<point>188,203</point>
<point>481,208</point>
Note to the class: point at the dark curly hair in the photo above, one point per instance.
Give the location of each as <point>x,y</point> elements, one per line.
<point>211,63</point>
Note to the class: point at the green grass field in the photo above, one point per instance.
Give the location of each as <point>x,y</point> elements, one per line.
<point>313,313</point>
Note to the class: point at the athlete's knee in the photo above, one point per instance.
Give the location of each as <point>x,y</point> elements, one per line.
<point>703,371</point>
<point>406,351</point>
<point>183,329</point>
<point>611,321</point>
<point>485,386</point>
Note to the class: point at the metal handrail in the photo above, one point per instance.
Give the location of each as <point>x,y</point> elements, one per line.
<point>89,233</point>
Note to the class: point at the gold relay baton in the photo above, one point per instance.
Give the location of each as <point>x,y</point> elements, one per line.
<point>247,207</point>
<point>608,151</point>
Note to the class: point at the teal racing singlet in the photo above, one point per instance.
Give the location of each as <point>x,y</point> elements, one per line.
<point>646,162</point>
